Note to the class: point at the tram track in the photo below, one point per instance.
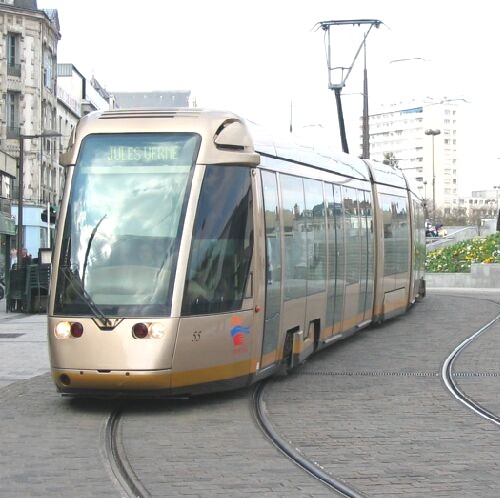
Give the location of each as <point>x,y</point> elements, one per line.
<point>448,375</point>
<point>131,486</point>
<point>123,472</point>
<point>294,454</point>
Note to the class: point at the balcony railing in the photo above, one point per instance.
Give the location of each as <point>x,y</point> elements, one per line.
<point>14,70</point>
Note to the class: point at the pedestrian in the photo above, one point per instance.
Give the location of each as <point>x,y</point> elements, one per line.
<point>13,257</point>
<point>25,257</point>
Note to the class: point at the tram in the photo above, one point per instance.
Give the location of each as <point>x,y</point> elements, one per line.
<point>195,252</point>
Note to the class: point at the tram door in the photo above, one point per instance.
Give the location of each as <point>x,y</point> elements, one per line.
<point>336,259</point>
<point>353,248</point>
<point>316,259</point>
<point>368,273</point>
<point>340,262</point>
<point>273,269</point>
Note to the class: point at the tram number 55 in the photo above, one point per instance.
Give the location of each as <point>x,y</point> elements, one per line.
<point>196,336</point>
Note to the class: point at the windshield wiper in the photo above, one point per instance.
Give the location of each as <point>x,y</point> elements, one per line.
<point>84,295</point>
<point>91,238</point>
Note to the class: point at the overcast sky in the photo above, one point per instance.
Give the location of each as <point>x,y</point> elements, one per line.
<point>256,57</point>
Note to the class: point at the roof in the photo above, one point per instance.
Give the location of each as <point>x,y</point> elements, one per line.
<point>26,4</point>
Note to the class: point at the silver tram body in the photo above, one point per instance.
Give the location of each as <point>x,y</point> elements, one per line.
<point>196,252</point>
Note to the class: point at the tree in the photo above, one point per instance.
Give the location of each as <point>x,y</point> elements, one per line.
<point>390,159</point>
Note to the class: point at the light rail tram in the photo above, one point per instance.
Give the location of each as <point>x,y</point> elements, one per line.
<point>197,252</point>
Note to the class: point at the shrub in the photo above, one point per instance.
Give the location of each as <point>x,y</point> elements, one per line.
<point>458,257</point>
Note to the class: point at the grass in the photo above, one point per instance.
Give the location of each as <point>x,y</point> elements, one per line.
<point>459,257</point>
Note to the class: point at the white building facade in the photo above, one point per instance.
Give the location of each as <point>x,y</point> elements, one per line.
<point>429,160</point>
<point>485,202</point>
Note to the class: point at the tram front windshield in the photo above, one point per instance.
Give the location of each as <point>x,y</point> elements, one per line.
<point>123,224</point>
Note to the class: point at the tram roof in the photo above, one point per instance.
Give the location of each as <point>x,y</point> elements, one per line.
<point>387,174</point>
<point>293,148</point>
<point>247,134</point>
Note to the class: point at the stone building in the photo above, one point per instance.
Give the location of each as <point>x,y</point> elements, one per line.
<point>28,112</point>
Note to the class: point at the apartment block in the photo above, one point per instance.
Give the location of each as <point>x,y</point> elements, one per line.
<point>422,139</point>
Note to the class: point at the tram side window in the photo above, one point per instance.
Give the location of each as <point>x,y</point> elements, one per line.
<point>222,244</point>
<point>396,234</point>
<point>316,236</point>
<point>352,236</point>
<point>295,236</point>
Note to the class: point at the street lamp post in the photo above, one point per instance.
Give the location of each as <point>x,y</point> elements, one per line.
<point>22,138</point>
<point>425,202</point>
<point>497,188</point>
<point>433,133</point>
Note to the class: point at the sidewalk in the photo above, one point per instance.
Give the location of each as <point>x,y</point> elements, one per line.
<point>23,346</point>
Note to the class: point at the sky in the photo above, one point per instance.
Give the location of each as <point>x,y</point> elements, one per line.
<point>266,61</point>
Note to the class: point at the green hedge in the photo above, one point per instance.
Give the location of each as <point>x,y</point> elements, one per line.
<point>458,257</point>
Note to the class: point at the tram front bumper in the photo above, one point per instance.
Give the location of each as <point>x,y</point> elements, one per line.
<point>78,381</point>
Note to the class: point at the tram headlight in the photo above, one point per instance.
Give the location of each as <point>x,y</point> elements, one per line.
<point>157,330</point>
<point>62,330</point>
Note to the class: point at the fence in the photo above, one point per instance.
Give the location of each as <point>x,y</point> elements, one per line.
<point>28,288</point>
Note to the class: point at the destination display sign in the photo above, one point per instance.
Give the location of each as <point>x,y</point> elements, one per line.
<point>138,149</point>
<point>157,152</point>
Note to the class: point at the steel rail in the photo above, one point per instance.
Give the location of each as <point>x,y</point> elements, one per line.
<point>451,385</point>
<point>118,460</point>
<point>312,468</point>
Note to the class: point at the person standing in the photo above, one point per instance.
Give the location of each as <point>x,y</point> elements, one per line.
<point>25,257</point>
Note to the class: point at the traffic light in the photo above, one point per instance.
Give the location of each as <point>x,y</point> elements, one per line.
<point>52,215</point>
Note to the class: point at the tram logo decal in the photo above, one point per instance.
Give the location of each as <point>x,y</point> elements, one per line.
<point>238,331</point>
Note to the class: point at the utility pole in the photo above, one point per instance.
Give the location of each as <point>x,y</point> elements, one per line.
<point>366,123</point>
<point>433,133</point>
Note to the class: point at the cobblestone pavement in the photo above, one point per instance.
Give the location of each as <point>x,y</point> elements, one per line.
<point>372,410</point>
<point>375,413</point>
<point>23,346</point>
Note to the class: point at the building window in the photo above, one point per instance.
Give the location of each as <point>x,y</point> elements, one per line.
<point>48,70</point>
<point>13,66</point>
<point>12,114</point>
<point>53,182</point>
